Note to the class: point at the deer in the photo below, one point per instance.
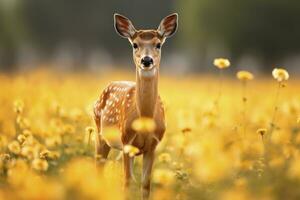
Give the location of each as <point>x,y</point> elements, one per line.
<point>122,102</point>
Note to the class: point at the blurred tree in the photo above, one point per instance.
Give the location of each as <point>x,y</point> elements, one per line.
<point>88,24</point>
<point>267,28</point>
<point>12,32</point>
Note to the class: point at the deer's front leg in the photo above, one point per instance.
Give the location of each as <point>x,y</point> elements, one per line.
<point>101,149</point>
<point>148,159</point>
<point>128,169</point>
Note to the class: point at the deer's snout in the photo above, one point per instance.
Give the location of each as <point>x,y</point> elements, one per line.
<point>147,61</point>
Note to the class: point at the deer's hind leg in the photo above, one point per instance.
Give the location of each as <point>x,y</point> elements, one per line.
<point>101,147</point>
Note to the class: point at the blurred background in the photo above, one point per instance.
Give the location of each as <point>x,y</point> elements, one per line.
<point>71,35</point>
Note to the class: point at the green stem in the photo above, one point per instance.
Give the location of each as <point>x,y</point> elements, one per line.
<point>272,124</point>
<point>244,99</point>
<point>218,99</point>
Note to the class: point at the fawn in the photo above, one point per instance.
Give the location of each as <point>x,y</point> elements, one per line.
<point>122,102</point>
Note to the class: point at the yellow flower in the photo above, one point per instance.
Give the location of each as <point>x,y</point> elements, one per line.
<point>131,150</point>
<point>27,133</point>
<point>298,120</point>
<point>4,157</point>
<point>164,157</point>
<point>163,176</point>
<point>39,164</point>
<point>18,106</point>
<point>143,124</point>
<point>280,74</point>
<point>221,63</point>
<point>28,152</point>
<point>44,154</point>
<point>14,147</point>
<point>261,131</point>
<point>89,130</point>
<point>49,154</point>
<point>21,138</point>
<point>244,75</point>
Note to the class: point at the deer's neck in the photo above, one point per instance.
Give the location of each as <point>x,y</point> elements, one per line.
<point>146,91</point>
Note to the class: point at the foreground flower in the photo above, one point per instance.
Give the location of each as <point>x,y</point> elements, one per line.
<point>221,63</point>
<point>28,152</point>
<point>143,124</point>
<point>18,106</point>
<point>89,131</point>
<point>164,157</point>
<point>39,164</point>
<point>21,138</point>
<point>261,131</point>
<point>163,176</point>
<point>280,74</point>
<point>131,150</point>
<point>244,76</point>
<point>14,147</point>
<point>46,154</point>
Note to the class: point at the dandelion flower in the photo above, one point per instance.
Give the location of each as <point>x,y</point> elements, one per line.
<point>164,157</point>
<point>14,147</point>
<point>262,131</point>
<point>28,152</point>
<point>4,157</point>
<point>131,150</point>
<point>244,75</point>
<point>143,124</point>
<point>221,63</point>
<point>27,133</point>
<point>89,130</point>
<point>186,130</point>
<point>21,138</point>
<point>44,154</point>
<point>163,176</point>
<point>280,74</point>
<point>18,106</point>
<point>40,164</point>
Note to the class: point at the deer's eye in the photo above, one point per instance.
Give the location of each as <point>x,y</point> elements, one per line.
<point>135,46</point>
<point>158,46</point>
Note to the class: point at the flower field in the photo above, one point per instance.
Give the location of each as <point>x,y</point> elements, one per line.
<point>227,137</point>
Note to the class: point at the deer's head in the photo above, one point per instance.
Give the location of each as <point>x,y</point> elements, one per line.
<point>146,44</point>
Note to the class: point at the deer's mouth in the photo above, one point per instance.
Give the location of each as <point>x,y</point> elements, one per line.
<point>147,68</point>
<point>148,72</point>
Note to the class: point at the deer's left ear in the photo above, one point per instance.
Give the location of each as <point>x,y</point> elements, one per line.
<point>123,26</point>
<point>168,26</point>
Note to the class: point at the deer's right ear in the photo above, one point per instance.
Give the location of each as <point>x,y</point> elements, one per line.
<point>123,26</point>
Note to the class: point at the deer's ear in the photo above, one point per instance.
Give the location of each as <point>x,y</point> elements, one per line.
<point>168,26</point>
<point>123,26</point>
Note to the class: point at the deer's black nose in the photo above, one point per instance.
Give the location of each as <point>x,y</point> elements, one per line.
<point>147,61</point>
